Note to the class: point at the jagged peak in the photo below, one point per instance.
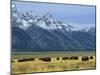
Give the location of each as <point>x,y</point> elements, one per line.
<point>47,21</point>
<point>14,9</point>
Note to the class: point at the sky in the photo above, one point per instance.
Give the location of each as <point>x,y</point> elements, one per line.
<point>80,16</point>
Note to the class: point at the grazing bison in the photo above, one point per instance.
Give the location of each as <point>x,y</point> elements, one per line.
<point>91,57</point>
<point>65,58</point>
<point>85,58</point>
<point>46,59</point>
<point>74,58</point>
<point>22,60</point>
<point>57,58</point>
<point>31,59</point>
<point>28,59</point>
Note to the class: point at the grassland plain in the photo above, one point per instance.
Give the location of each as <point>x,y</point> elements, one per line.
<point>55,65</point>
<point>17,55</point>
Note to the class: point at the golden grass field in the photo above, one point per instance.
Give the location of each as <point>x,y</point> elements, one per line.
<point>55,65</point>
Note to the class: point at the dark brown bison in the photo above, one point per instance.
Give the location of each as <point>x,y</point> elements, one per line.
<point>57,58</point>
<point>31,59</point>
<point>46,59</point>
<point>74,58</point>
<point>85,58</point>
<point>22,60</point>
<point>91,57</point>
<point>65,58</point>
<point>26,59</point>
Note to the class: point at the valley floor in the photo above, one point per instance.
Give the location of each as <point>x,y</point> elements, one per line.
<point>37,65</point>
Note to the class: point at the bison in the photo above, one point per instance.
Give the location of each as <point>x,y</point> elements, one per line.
<point>74,58</point>
<point>91,57</point>
<point>46,59</point>
<point>31,59</point>
<point>57,58</point>
<point>24,59</point>
<point>85,58</point>
<point>65,58</point>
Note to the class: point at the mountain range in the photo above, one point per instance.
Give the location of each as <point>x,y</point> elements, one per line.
<point>45,33</point>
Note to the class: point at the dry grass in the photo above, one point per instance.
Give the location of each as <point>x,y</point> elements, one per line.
<point>54,65</point>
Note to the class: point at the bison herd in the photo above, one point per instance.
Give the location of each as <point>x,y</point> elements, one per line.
<point>48,59</point>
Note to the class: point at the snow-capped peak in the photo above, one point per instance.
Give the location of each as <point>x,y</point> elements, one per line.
<point>47,21</point>
<point>13,7</point>
<point>27,19</point>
